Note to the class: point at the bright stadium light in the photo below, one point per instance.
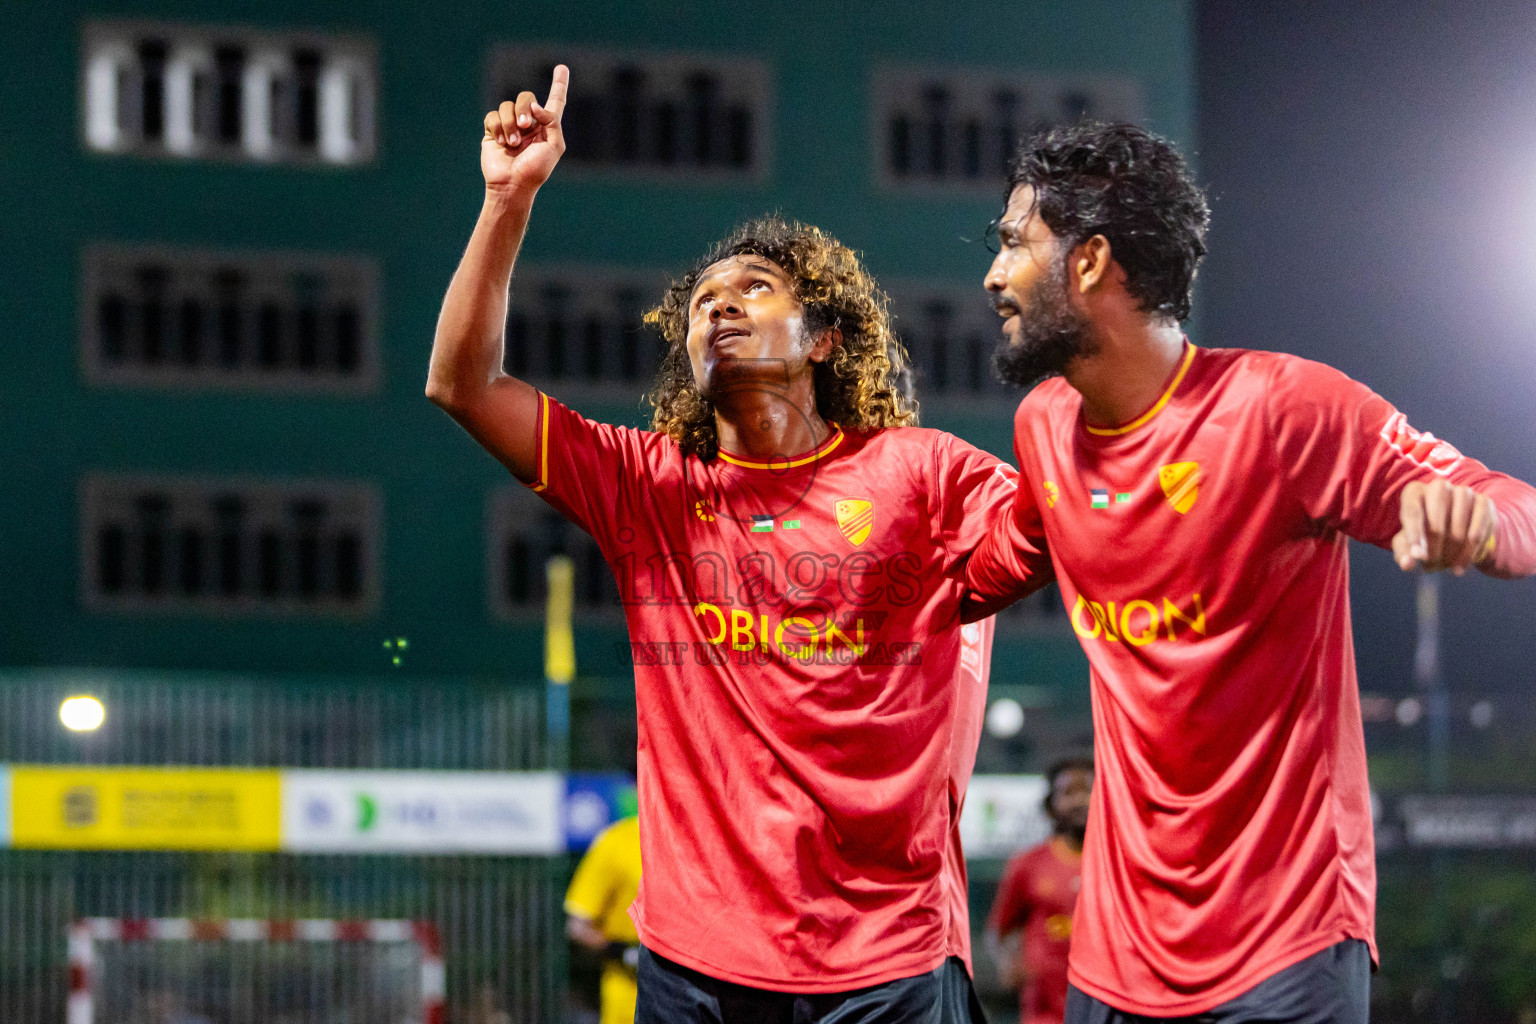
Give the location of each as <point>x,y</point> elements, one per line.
<point>82,714</point>
<point>1005,718</point>
<point>1409,711</point>
<point>1481,714</point>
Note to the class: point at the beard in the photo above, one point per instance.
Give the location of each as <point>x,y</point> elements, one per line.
<point>1050,334</point>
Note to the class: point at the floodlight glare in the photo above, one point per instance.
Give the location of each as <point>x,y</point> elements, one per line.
<point>1005,718</point>
<point>82,714</point>
<point>1482,714</point>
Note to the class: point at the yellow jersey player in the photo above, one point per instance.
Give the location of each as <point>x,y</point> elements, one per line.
<point>597,914</point>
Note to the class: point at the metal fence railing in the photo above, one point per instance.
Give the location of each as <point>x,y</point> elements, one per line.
<point>499,917</point>
<point>178,719</point>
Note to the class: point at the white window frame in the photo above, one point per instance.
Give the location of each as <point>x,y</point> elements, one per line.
<point>108,497</point>
<point>743,79</point>
<point>587,294</point>
<point>269,276</point>
<point>973,318</point>
<point>347,90</point>
<point>514,509</point>
<point>898,88</point>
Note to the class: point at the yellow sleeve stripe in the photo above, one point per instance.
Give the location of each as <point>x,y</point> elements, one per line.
<point>542,480</point>
<point>1157,407</point>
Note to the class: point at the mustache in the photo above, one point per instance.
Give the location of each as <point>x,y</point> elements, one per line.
<point>1005,306</point>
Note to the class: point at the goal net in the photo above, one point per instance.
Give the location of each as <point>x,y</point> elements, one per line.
<point>242,971</point>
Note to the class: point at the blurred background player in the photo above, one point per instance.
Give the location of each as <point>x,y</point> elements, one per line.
<point>1037,896</point>
<point>1195,506</point>
<point>606,882</point>
<point>795,546</point>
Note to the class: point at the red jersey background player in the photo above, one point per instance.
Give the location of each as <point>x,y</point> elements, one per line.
<point>1195,505</point>
<point>789,552</point>
<point>1037,897</point>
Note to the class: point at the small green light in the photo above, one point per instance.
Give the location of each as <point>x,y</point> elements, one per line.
<point>399,643</point>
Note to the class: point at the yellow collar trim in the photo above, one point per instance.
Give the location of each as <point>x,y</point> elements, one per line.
<point>1157,406</point>
<point>826,449</point>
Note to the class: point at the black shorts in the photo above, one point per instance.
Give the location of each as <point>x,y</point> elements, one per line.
<point>1332,986</point>
<point>673,994</point>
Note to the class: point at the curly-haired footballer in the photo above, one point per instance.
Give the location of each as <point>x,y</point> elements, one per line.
<point>1195,505</point>
<point>789,551</point>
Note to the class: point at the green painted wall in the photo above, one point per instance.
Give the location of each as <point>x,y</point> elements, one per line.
<point>412,210</point>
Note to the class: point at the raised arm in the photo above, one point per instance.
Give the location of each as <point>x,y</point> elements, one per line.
<point>522,143</point>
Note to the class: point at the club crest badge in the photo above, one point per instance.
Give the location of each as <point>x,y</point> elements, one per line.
<point>856,518</point>
<point>1181,484</point>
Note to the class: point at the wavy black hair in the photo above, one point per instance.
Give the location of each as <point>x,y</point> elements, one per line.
<point>1132,187</point>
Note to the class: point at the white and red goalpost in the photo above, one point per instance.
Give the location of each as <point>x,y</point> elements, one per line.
<point>242,969</point>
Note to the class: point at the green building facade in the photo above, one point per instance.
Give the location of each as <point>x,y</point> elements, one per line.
<point>230,230</point>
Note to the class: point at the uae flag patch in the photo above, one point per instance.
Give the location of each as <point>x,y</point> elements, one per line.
<point>762,524</point>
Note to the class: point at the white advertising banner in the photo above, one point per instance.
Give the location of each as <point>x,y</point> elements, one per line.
<point>422,812</point>
<point>1003,814</point>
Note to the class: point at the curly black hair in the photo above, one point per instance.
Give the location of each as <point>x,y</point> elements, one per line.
<point>864,384</point>
<point>1132,187</point>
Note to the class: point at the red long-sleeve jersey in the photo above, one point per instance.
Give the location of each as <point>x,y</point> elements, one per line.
<point>806,691</point>
<point>1037,896</point>
<point>1201,554</point>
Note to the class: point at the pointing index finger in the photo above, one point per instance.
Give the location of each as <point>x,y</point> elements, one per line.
<point>557,88</point>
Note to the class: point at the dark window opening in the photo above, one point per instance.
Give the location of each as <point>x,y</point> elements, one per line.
<point>229,77</point>
<point>152,54</point>
<point>269,563</point>
<point>112,559</point>
<point>190,552</point>
<point>349,566</point>
<point>306,67</point>
<point>269,336</point>
<point>190,332</point>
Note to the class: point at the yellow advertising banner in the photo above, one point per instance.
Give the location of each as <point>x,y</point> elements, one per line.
<point>67,807</point>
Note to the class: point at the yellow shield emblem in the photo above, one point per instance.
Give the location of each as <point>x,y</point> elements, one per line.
<point>1181,484</point>
<point>856,517</point>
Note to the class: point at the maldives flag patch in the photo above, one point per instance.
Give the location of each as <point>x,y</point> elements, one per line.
<point>1099,497</point>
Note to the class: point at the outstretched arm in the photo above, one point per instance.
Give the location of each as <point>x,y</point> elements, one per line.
<point>1354,463</point>
<point>522,143</point>
<point>1449,525</point>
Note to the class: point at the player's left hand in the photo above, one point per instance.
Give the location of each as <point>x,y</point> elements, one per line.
<point>1444,526</point>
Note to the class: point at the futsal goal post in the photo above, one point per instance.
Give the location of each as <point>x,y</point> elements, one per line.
<point>250,971</point>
